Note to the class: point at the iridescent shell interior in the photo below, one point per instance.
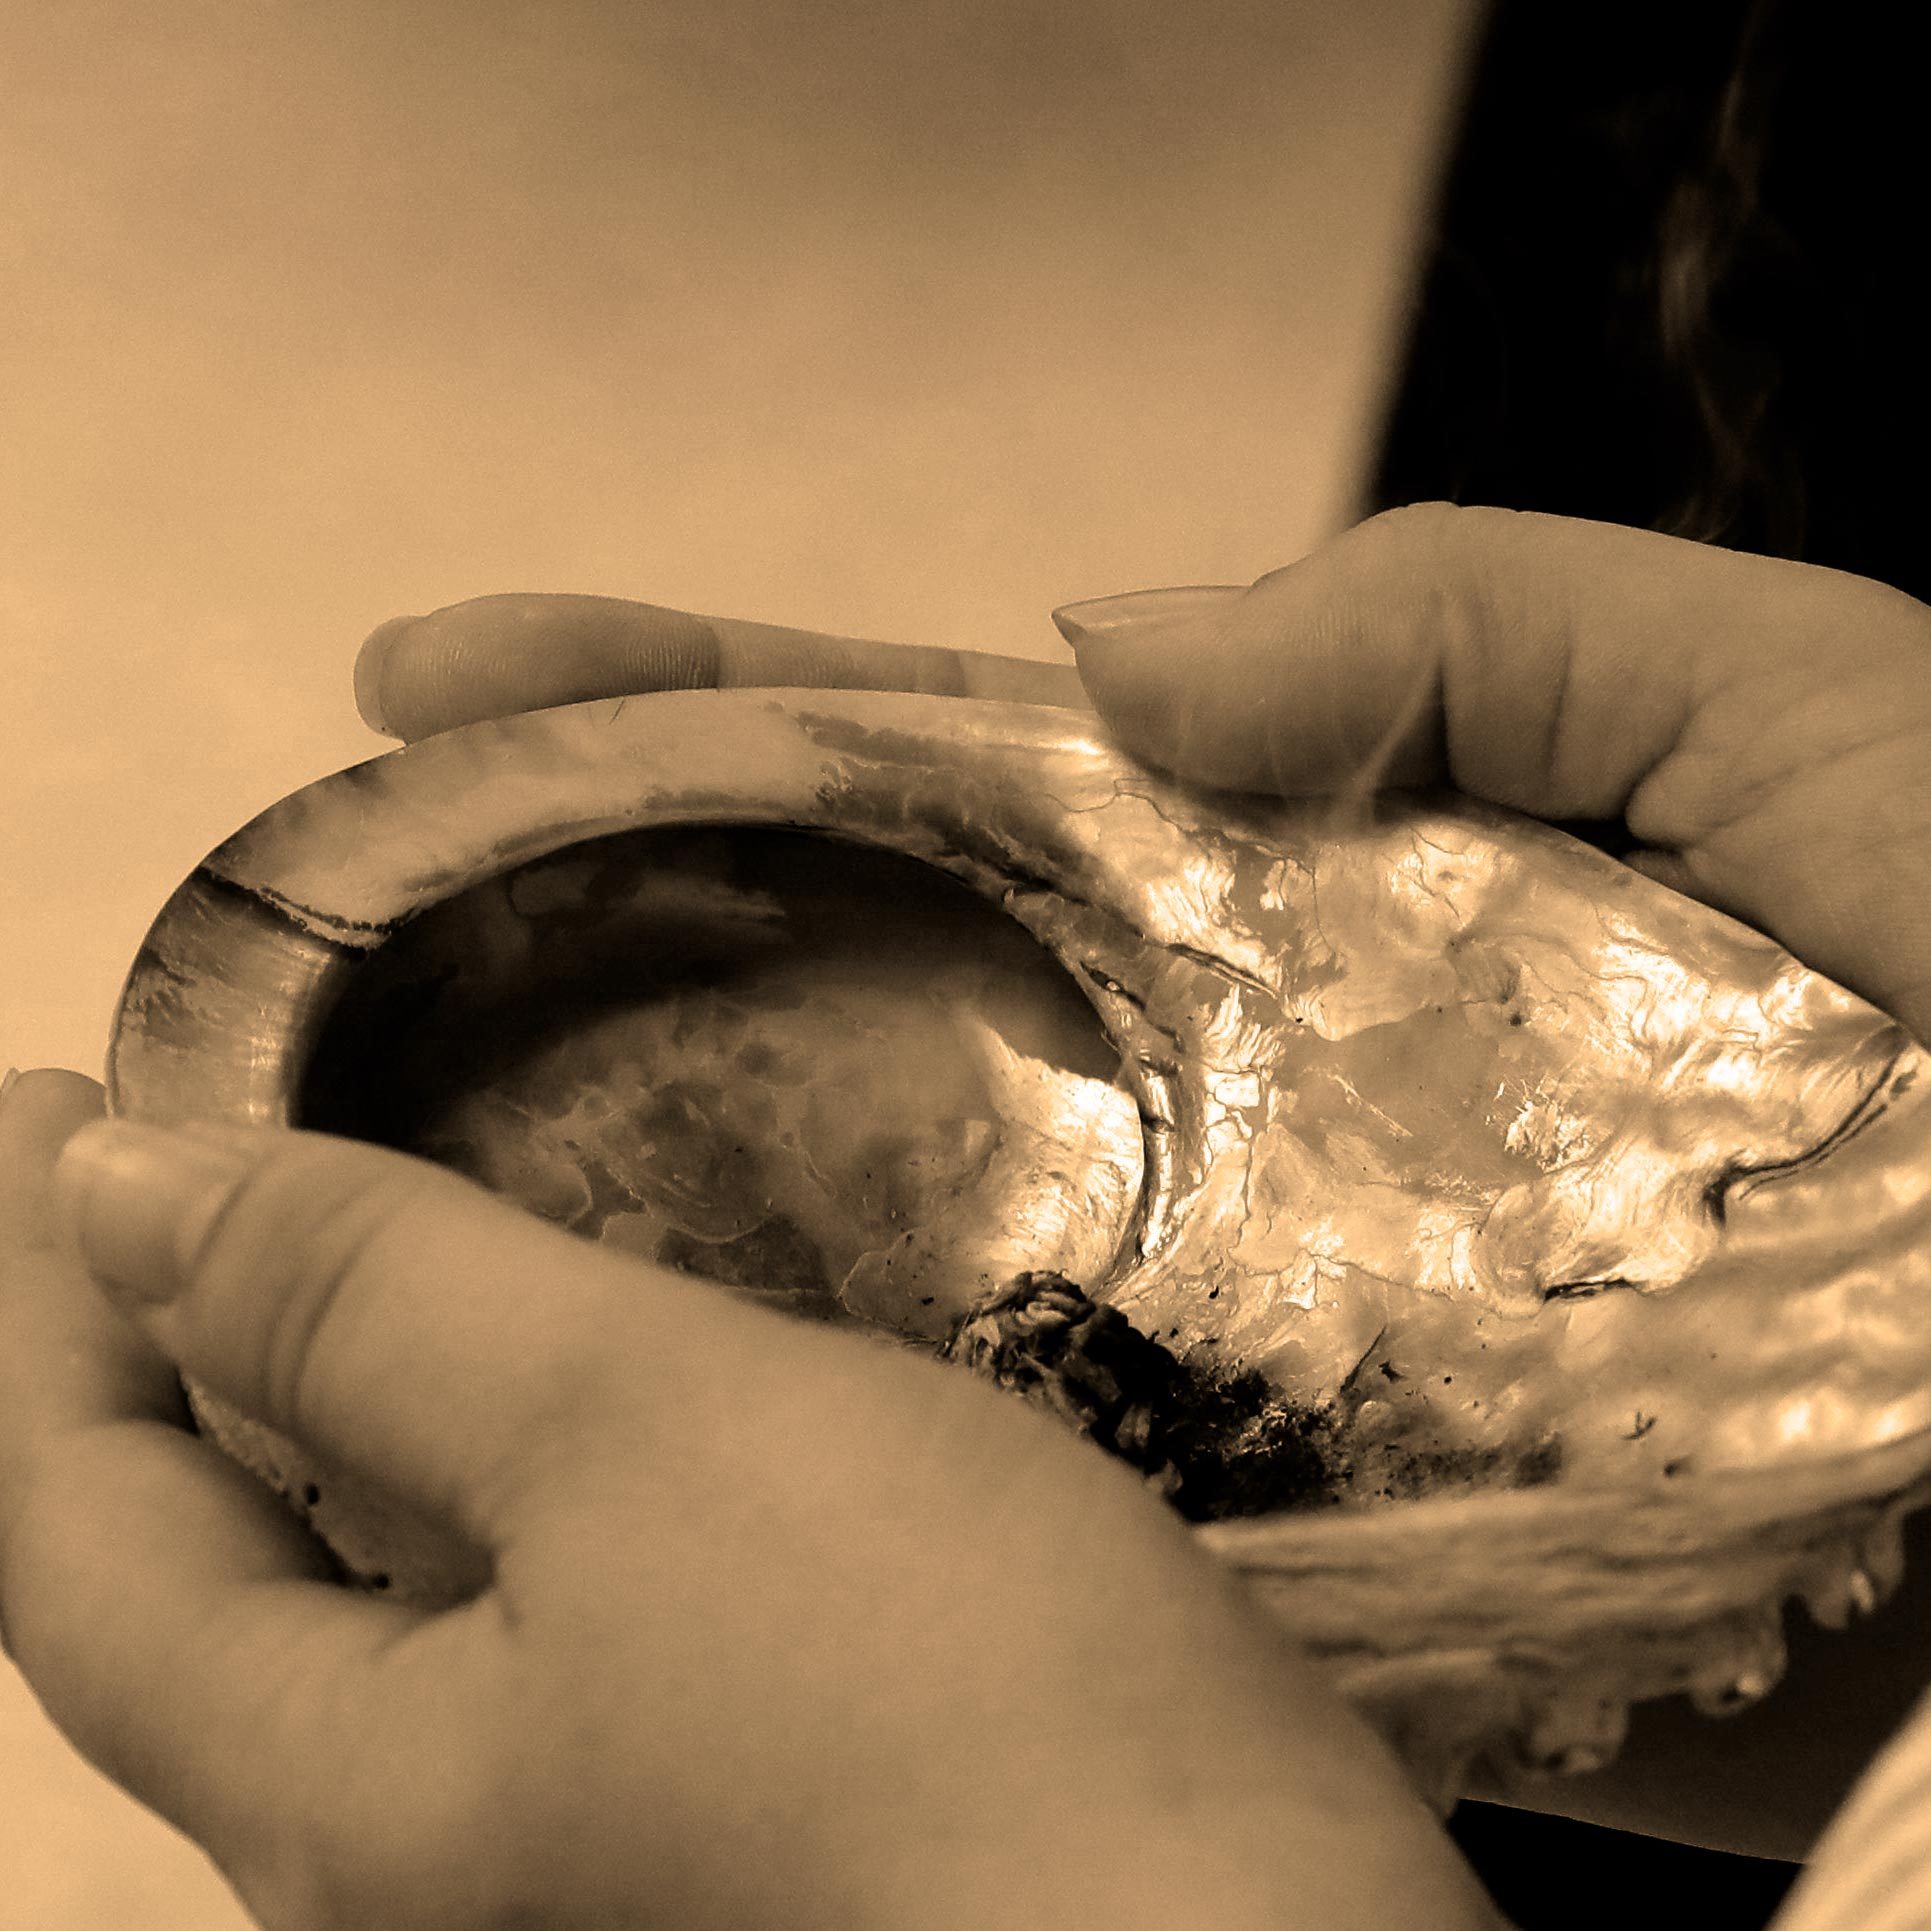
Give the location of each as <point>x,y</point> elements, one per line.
<point>1583,1234</point>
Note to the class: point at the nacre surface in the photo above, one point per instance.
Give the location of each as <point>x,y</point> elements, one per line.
<point>1593,1228</point>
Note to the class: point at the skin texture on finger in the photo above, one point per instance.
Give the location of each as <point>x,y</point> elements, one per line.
<point>496,655</point>
<point>1764,726</point>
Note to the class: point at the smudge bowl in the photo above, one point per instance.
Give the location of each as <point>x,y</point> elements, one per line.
<point>1529,1266</point>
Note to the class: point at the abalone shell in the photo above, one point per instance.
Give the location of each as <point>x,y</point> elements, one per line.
<point>1583,1233</point>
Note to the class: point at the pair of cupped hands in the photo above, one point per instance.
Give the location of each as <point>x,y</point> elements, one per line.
<point>784,1628</point>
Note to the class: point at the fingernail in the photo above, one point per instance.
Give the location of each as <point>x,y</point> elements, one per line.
<point>138,1201</point>
<point>6,1082</point>
<point>1134,612</point>
<point>370,663</point>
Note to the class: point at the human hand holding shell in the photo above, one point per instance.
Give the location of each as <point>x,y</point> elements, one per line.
<point>617,1714</point>
<point>1345,1585</point>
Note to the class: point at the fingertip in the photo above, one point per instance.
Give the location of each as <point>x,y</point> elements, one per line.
<point>370,665</point>
<point>72,1360</point>
<point>1135,651</point>
<point>1121,684</point>
<point>1169,716</point>
<point>1141,613</point>
<point>41,1110</point>
<point>34,1089</point>
<point>1162,669</point>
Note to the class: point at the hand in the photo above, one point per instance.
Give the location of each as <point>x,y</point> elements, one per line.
<point>781,1628</point>
<point>1763,729</point>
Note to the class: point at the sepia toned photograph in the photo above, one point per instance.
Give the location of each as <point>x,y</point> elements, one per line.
<point>964,968</point>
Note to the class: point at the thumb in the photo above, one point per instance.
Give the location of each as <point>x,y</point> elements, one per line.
<point>1763,727</point>
<point>395,1319</point>
<point>1428,645</point>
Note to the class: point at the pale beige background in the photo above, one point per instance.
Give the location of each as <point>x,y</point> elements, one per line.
<point>899,320</point>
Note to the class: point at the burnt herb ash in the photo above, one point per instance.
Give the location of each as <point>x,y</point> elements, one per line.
<point>1214,1444</point>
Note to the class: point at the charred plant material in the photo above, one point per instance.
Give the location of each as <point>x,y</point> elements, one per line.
<point>1215,1445</point>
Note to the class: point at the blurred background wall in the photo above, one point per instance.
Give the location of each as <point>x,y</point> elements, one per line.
<point>896,320</point>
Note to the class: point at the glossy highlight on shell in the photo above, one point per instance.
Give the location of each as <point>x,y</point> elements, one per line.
<point>1587,1230</point>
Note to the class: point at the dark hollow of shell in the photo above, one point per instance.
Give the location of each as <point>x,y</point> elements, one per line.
<point>764,1060</point>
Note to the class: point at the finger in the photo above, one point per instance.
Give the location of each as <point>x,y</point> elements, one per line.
<point>493,656</point>
<point>68,1358</point>
<point>396,1319</point>
<point>171,1615</point>
<point>1764,726</point>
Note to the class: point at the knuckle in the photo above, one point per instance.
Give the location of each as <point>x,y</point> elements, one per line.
<point>1467,560</point>
<point>1432,527</point>
<point>1452,539</point>
<point>1429,514</point>
<point>1466,554</point>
